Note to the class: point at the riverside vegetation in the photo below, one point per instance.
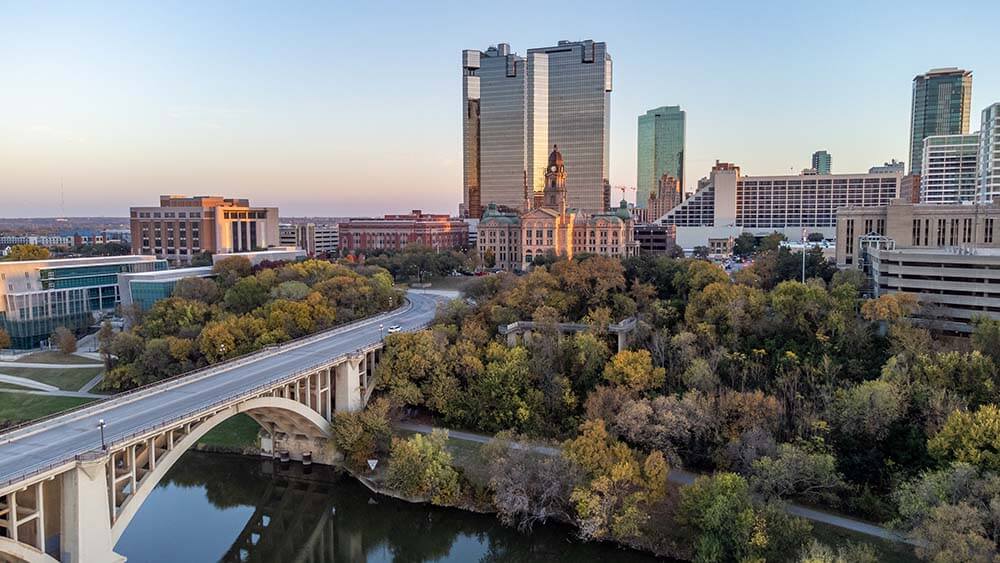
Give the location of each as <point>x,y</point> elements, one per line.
<point>777,390</point>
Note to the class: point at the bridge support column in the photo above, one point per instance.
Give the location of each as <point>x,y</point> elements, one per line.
<point>622,341</point>
<point>348,385</point>
<point>86,514</point>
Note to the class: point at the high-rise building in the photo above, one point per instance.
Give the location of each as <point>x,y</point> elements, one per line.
<point>948,169</point>
<point>941,104</point>
<point>181,227</point>
<point>821,162</point>
<point>515,108</point>
<point>989,154</point>
<point>660,149</point>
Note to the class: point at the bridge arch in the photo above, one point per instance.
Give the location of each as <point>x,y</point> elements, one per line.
<point>274,414</point>
<point>20,552</point>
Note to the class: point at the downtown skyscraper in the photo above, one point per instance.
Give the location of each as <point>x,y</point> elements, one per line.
<point>942,100</point>
<point>660,150</point>
<point>515,109</point>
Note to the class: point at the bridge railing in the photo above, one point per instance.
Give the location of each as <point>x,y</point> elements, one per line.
<point>8,434</point>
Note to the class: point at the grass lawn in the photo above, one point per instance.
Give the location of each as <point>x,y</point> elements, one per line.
<point>67,379</point>
<point>237,433</point>
<point>18,407</point>
<point>886,551</point>
<point>51,357</point>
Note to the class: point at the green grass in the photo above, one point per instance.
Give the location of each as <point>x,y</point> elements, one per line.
<point>237,433</point>
<point>67,379</point>
<point>19,407</point>
<point>464,454</point>
<point>454,283</point>
<point>51,357</point>
<point>887,551</point>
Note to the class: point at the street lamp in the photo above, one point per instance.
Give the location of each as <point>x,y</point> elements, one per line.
<point>380,333</point>
<point>100,424</point>
<point>804,256</point>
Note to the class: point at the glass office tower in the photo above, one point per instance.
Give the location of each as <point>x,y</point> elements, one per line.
<point>660,150</point>
<point>493,90</point>
<point>989,154</point>
<point>821,162</point>
<point>941,104</point>
<point>569,105</point>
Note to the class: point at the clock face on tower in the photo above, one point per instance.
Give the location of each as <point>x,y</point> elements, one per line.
<point>552,168</point>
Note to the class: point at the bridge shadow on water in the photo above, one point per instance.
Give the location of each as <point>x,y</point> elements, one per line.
<point>213,507</point>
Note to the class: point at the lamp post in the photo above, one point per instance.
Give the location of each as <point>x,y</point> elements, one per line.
<point>803,256</point>
<point>100,424</point>
<point>380,333</point>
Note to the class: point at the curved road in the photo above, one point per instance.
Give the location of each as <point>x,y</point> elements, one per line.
<point>53,442</point>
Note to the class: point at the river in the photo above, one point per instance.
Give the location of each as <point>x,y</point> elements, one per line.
<point>214,507</point>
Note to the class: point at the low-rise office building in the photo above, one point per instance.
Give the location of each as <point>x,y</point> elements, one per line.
<point>314,239</point>
<point>38,240</point>
<point>277,254</point>
<point>396,232</point>
<point>655,238</point>
<point>917,225</point>
<point>181,227</point>
<point>37,296</point>
<point>143,289</point>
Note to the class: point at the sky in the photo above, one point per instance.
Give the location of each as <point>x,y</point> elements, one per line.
<point>334,108</point>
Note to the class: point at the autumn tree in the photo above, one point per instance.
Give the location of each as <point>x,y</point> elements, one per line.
<point>20,252</point>
<point>795,472</point>
<point>230,269</point>
<point>634,370</point>
<point>364,434</point>
<point>420,466</point>
<point>890,307</point>
<point>197,289</point>
<point>970,437</point>
<point>105,339</point>
<point>5,340</point>
<point>64,340</point>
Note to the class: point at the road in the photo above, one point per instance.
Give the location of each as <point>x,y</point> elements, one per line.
<point>682,477</point>
<point>56,441</point>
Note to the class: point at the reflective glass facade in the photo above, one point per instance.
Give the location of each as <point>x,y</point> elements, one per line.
<point>942,101</point>
<point>660,150</point>
<point>569,105</point>
<point>989,154</point>
<point>821,162</point>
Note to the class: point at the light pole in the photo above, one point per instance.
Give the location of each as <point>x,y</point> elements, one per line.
<point>803,256</point>
<point>381,334</point>
<point>100,424</point>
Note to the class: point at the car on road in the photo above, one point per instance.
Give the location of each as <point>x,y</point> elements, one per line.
<point>394,329</point>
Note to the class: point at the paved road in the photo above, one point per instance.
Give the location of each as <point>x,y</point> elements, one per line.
<point>682,477</point>
<point>56,441</point>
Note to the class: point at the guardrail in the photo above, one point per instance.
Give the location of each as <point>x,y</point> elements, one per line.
<point>7,435</point>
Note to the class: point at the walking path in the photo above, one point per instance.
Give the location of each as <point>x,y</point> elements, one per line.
<point>53,366</point>
<point>682,477</point>
<point>92,383</point>
<point>25,382</point>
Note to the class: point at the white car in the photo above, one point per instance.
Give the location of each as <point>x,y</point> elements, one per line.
<point>394,329</point>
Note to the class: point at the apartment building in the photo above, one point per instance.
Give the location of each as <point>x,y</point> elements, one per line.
<point>395,232</point>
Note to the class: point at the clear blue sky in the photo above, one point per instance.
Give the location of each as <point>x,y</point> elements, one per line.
<point>338,109</point>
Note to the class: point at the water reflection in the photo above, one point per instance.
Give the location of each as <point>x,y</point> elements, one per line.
<point>236,509</point>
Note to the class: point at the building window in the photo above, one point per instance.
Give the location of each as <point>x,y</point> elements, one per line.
<point>988,231</point>
<point>916,232</point>
<point>953,235</point>
<point>967,230</point>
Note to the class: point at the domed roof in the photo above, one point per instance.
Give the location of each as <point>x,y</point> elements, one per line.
<point>555,159</point>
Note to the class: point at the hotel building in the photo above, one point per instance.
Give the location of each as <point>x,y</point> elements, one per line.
<point>181,227</point>
<point>730,204</point>
<point>948,170</point>
<point>37,296</point>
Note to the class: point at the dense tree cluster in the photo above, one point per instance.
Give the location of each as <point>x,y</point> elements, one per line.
<point>238,311</point>
<point>787,391</point>
<point>418,262</point>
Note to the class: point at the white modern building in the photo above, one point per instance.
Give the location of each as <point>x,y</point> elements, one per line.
<point>988,174</point>
<point>39,240</point>
<point>730,204</point>
<point>949,169</point>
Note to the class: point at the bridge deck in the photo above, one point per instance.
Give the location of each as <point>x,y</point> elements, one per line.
<point>55,442</point>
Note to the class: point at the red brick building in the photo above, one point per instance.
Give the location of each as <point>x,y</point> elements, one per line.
<point>395,232</point>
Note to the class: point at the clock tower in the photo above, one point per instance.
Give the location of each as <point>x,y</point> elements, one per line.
<point>555,182</point>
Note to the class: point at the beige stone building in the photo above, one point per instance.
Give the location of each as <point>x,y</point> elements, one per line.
<point>545,226</point>
<point>912,225</point>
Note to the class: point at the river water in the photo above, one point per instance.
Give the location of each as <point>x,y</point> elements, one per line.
<point>213,507</point>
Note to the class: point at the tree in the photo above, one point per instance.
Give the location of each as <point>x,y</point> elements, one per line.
<point>105,340</point>
<point>197,289</point>
<point>745,245</point>
<point>5,340</point>
<point>20,252</point>
<point>634,370</point>
<point>815,237</point>
<point>245,295</point>
<point>64,340</point>
<point>701,252</point>
<point>230,269</point>
<point>797,473</point>
<point>364,434</point>
<point>410,361</point>
<point>504,396</point>
<point>972,438</point>
<point>202,259</point>
<point>869,409</point>
<point>986,336</point>
<point>816,552</point>
<point>890,307</point>
<point>421,466</point>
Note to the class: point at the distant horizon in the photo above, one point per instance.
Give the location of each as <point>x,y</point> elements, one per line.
<point>322,111</point>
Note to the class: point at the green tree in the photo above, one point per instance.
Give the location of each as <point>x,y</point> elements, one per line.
<point>5,341</point>
<point>504,396</point>
<point>421,466</point>
<point>197,289</point>
<point>409,362</point>
<point>64,340</point>
<point>797,473</point>
<point>230,269</point>
<point>105,340</point>
<point>245,295</point>
<point>20,252</point>
<point>869,409</point>
<point>972,438</point>
<point>986,336</point>
<point>745,245</point>
<point>364,434</point>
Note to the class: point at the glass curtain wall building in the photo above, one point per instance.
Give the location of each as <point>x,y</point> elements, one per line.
<point>942,100</point>
<point>660,150</point>
<point>949,169</point>
<point>989,154</point>
<point>37,296</point>
<point>821,161</point>
<point>516,108</point>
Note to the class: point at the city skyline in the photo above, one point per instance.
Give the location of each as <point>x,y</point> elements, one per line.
<point>289,109</point>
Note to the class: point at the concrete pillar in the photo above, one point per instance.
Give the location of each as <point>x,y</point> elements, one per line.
<point>621,340</point>
<point>348,385</point>
<point>86,515</point>
<point>511,339</point>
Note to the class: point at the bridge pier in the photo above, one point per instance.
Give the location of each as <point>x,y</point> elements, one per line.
<point>86,514</point>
